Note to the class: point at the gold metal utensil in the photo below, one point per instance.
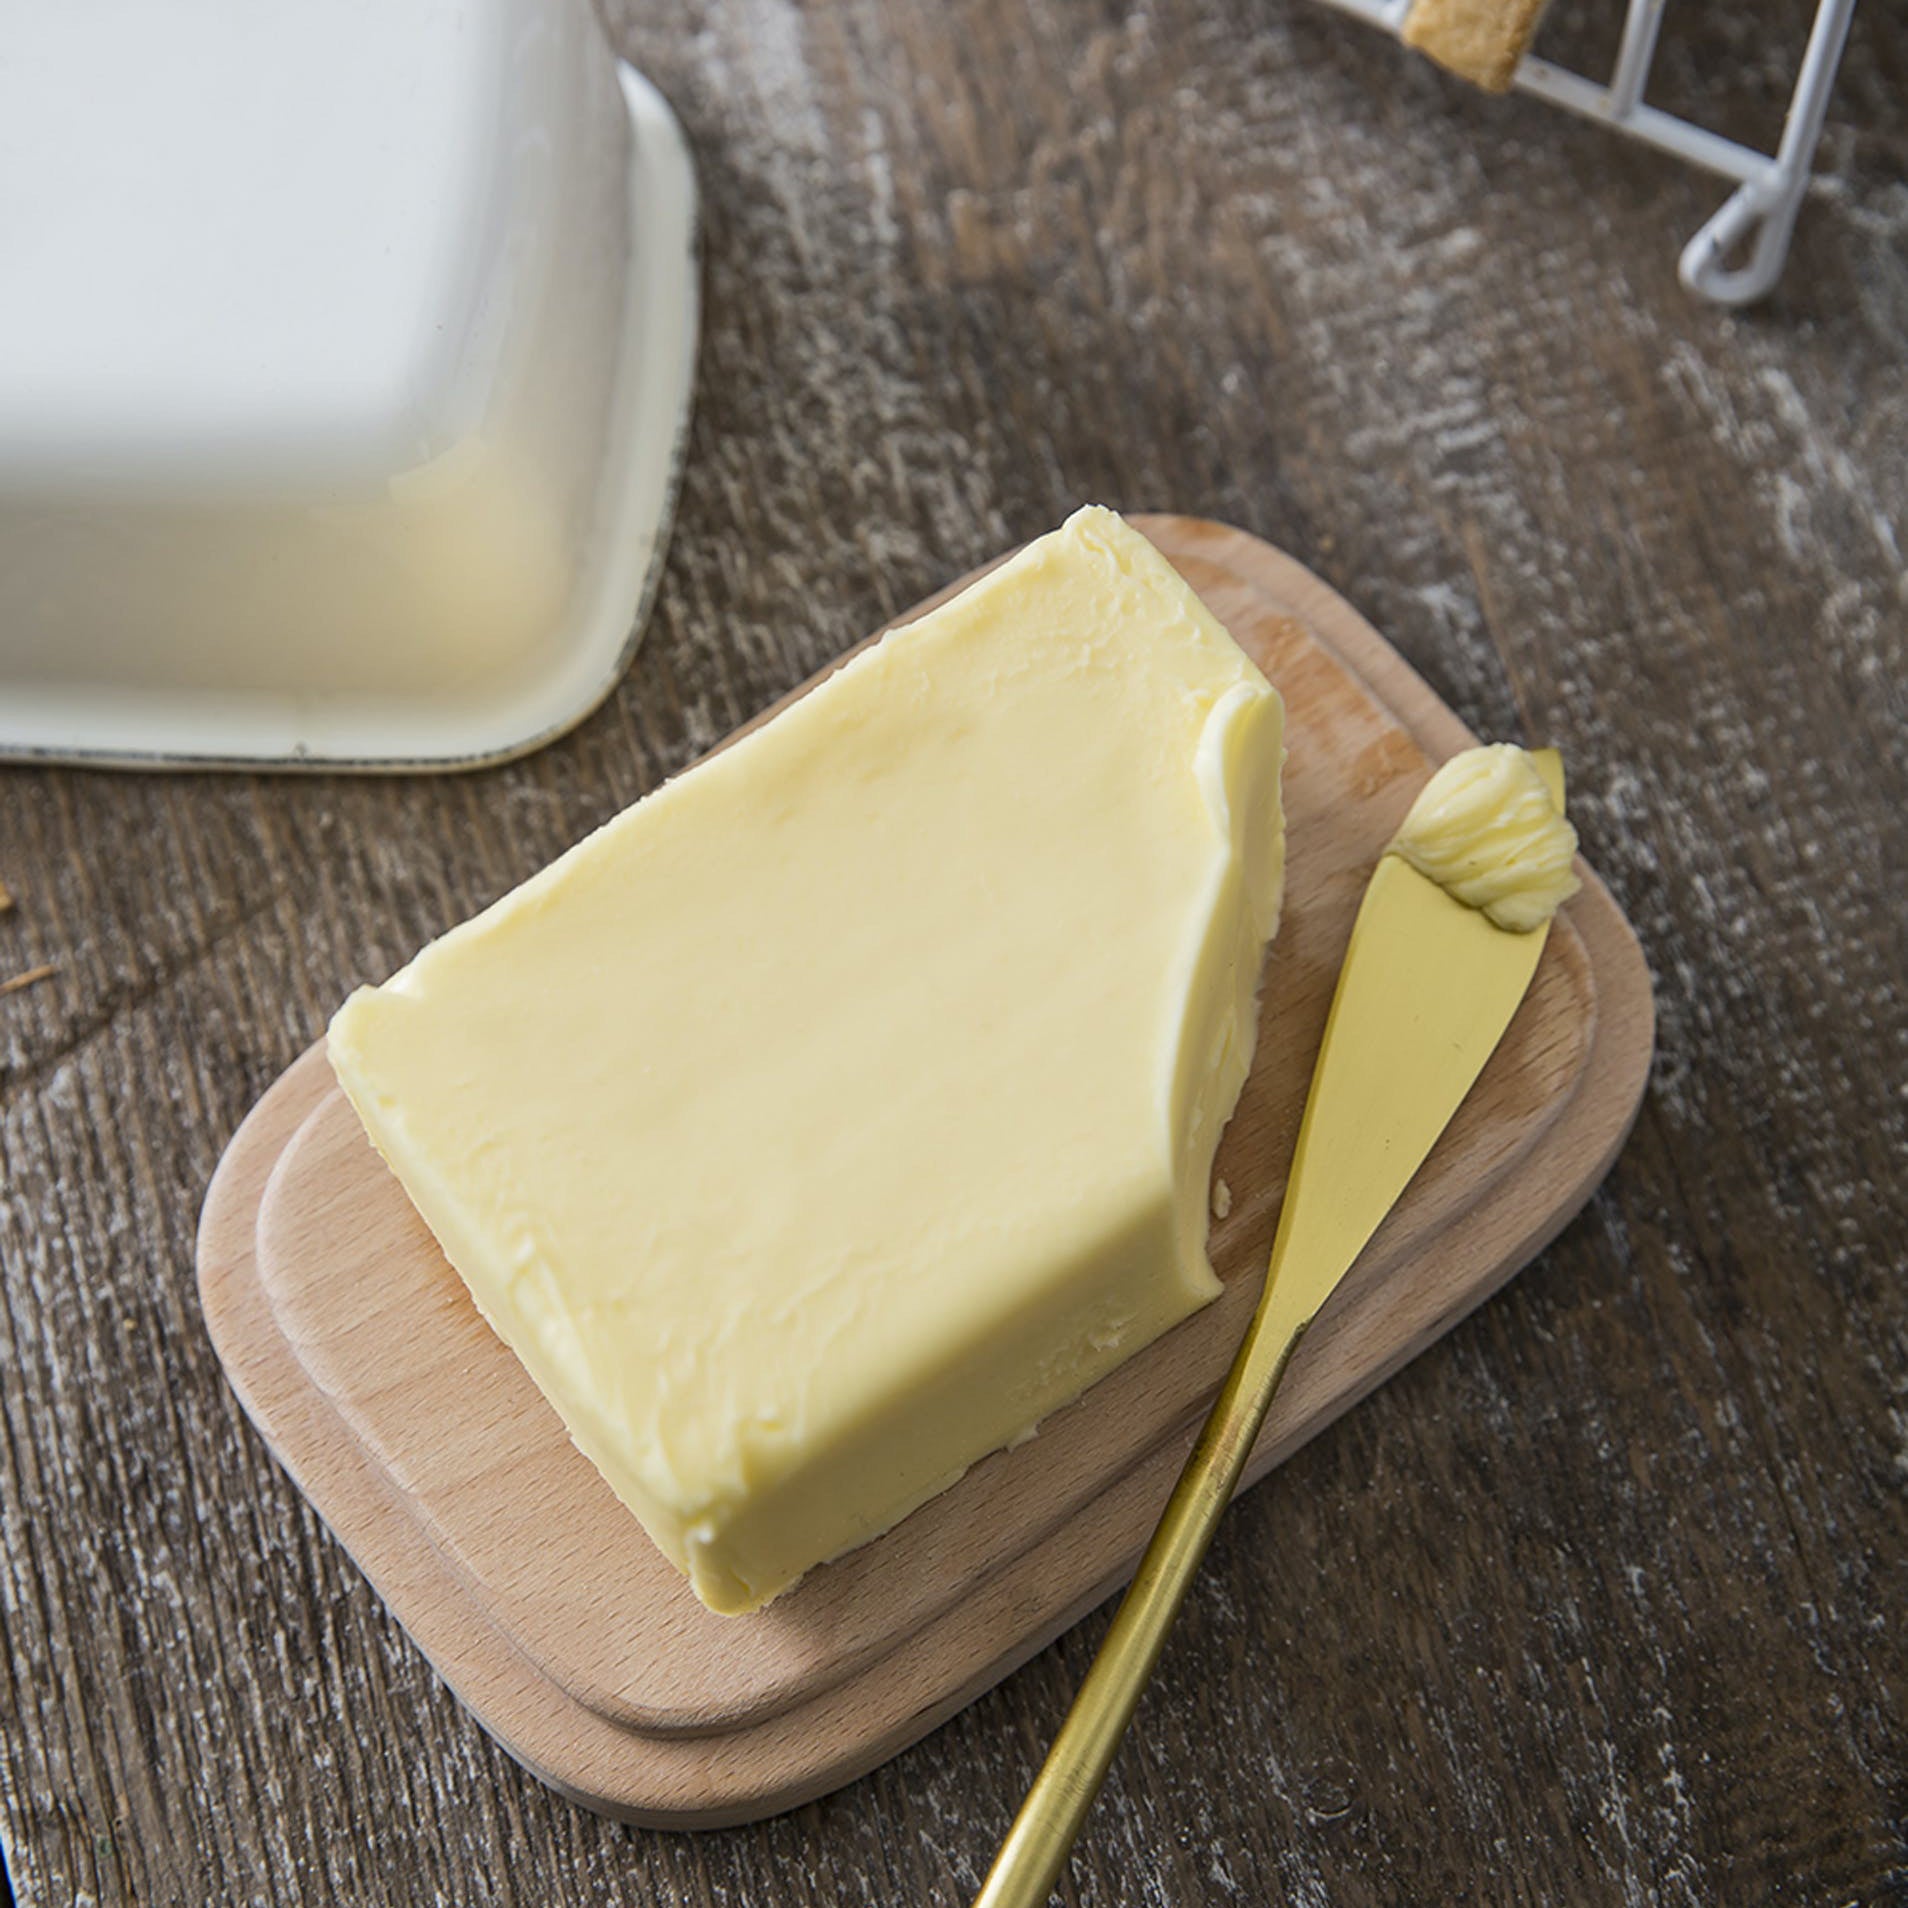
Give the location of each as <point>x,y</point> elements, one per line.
<point>1426,992</point>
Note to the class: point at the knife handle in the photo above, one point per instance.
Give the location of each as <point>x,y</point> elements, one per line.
<point>1037,1846</point>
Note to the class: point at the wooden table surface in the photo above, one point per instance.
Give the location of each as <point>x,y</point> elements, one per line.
<point>1603,1599</point>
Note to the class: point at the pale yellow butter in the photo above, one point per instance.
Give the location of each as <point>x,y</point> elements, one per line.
<point>837,1112</point>
<point>1486,830</point>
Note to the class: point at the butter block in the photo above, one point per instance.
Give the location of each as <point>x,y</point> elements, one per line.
<point>840,1110</point>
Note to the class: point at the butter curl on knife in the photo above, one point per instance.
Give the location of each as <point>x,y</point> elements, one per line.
<point>1487,829</point>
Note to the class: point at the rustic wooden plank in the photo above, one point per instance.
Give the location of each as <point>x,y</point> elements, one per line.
<point>1599,1599</point>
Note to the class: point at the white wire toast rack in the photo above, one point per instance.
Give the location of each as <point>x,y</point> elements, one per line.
<point>1737,256</point>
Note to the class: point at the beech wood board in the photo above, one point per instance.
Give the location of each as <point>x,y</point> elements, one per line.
<point>358,1354</point>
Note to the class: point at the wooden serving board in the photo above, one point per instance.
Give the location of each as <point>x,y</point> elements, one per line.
<point>424,1445</point>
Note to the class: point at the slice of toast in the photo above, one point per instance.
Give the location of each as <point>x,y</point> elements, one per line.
<point>1479,40</point>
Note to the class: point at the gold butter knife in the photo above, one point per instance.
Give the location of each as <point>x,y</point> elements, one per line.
<point>1428,986</point>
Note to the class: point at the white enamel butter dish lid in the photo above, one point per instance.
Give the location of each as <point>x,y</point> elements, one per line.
<point>345,359</point>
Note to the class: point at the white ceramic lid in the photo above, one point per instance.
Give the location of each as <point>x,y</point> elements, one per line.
<point>345,362</point>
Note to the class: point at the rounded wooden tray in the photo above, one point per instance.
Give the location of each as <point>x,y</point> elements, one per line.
<point>423,1444</point>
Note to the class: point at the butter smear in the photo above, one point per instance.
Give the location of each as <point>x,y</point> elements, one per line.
<point>1487,831</point>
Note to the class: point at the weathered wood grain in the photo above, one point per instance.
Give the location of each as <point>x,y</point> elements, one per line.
<point>1601,1600</point>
